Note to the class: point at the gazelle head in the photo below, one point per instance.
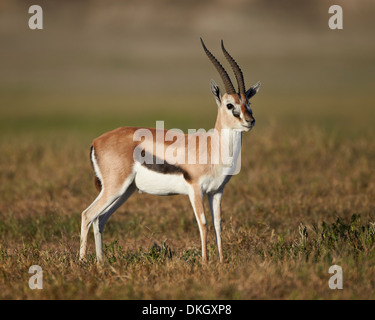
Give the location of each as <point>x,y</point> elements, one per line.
<point>234,107</point>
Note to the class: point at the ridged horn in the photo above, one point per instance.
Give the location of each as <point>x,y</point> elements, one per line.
<point>223,74</point>
<point>236,69</point>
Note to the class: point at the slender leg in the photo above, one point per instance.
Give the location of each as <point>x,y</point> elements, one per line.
<point>196,199</point>
<point>215,206</point>
<point>102,202</point>
<point>100,221</point>
<point>98,236</point>
<point>109,197</point>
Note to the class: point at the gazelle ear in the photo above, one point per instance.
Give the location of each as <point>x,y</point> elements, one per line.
<point>216,91</point>
<point>253,90</point>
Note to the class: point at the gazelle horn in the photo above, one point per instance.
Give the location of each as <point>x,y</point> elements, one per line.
<point>223,74</point>
<point>236,69</point>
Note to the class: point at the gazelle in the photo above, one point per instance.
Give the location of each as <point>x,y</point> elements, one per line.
<point>118,172</point>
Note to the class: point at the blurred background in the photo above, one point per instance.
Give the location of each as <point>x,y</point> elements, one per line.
<point>97,65</point>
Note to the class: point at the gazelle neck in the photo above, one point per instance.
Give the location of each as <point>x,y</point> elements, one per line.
<point>230,139</point>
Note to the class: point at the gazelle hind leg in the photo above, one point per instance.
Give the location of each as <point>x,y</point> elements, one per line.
<point>88,216</point>
<point>106,199</point>
<point>85,227</point>
<point>101,220</point>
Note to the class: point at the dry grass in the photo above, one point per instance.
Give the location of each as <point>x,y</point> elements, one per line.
<point>152,243</point>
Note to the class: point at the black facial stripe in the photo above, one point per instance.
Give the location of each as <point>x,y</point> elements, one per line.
<point>249,110</point>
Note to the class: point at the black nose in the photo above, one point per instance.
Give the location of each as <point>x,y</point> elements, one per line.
<point>251,120</point>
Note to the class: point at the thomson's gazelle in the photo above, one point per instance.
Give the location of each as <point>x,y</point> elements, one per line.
<point>120,169</point>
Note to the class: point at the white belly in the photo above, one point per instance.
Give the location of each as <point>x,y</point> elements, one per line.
<point>152,182</point>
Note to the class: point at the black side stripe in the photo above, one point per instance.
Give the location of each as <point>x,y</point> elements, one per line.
<point>164,168</point>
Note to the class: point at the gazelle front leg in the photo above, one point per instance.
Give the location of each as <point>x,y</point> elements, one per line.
<point>215,206</point>
<point>196,199</point>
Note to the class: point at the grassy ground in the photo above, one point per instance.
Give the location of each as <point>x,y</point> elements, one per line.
<point>303,201</point>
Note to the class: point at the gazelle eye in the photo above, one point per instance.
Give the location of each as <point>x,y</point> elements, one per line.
<point>230,106</point>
